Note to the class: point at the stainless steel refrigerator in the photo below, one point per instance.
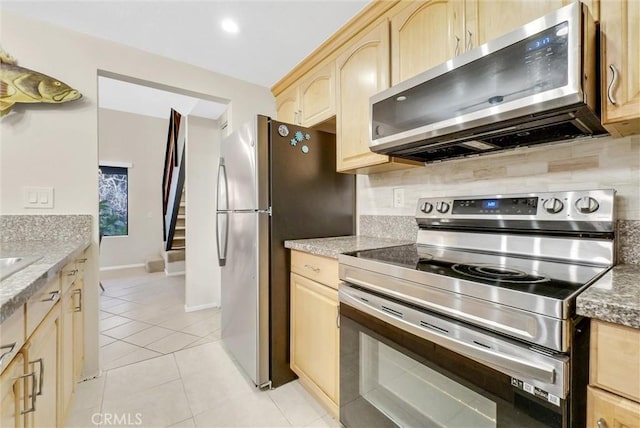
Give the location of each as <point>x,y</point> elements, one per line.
<point>276,182</point>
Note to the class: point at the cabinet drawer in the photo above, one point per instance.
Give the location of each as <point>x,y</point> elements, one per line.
<point>41,303</point>
<point>12,337</point>
<point>615,353</point>
<point>317,268</point>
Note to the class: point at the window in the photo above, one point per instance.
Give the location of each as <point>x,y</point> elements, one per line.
<point>114,201</point>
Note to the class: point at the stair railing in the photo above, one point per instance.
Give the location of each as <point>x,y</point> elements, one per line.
<point>173,177</point>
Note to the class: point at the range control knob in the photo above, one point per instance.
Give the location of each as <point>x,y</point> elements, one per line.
<point>426,208</point>
<point>553,205</point>
<point>587,205</point>
<point>442,207</point>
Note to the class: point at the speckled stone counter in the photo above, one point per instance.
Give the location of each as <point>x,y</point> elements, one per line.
<point>614,298</point>
<point>55,239</point>
<point>331,247</point>
<point>19,287</point>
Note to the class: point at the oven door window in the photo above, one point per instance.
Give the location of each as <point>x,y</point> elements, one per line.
<point>421,384</point>
<point>412,394</point>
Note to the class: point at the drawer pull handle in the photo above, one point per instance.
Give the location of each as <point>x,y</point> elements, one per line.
<point>470,40</point>
<point>53,296</point>
<point>313,268</point>
<point>72,272</point>
<point>5,353</point>
<point>81,260</point>
<point>457,49</point>
<point>32,375</point>
<point>601,423</point>
<point>41,376</point>
<point>78,308</point>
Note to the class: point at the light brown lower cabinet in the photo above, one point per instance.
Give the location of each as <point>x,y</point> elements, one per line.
<point>12,383</point>
<point>608,410</point>
<point>42,360</point>
<point>315,335</point>
<point>37,379</point>
<point>613,397</point>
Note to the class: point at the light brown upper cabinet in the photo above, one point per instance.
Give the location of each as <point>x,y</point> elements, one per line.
<point>486,20</point>
<point>287,105</point>
<point>318,95</point>
<point>310,102</point>
<point>425,34</point>
<point>620,44</point>
<point>361,71</point>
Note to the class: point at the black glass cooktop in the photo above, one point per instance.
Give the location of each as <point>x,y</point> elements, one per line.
<point>541,277</point>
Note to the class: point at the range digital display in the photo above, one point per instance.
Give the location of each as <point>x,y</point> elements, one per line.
<point>488,204</point>
<point>503,206</point>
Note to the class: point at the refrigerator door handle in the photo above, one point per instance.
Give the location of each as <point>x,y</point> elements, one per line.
<point>223,189</point>
<point>222,232</point>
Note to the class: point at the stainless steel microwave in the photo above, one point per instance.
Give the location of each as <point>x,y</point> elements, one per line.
<point>536,84</point>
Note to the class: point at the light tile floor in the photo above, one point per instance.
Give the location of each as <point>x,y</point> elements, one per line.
<point>163,367</point>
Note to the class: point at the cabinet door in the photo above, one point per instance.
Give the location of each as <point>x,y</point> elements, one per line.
<point>43,360</point>
<point>12,394</point>
<point>287,106</point>
<point>315,337</point>
<point>609,410</point>
<point>489,19</point>
<point>361,71</point>
<point>317,96</point>
<point>423,35</point>
<point>620,30</point>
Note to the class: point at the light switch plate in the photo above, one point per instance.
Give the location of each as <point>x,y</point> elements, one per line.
<point>37,197</point>
<point>398,197</point>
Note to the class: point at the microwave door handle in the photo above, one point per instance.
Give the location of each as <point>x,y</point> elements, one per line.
<point>223,188</point>
<point>222,233</point>
<point>509,363</point>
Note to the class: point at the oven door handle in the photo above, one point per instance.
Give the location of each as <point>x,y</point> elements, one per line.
<point>508,364</point>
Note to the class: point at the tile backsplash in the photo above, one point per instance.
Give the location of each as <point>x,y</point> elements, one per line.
<point>597,163</point>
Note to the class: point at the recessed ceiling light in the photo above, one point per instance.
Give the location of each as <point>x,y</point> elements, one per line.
<point>230,26</point>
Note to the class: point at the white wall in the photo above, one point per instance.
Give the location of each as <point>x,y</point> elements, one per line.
<point>585,164</point>
<point>202,271</point>
<point>140,141</point>
<point>57,145</point>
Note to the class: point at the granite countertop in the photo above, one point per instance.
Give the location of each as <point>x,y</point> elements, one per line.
<point>332,247</point>
<point>614,298</point>
<point>16,289</point>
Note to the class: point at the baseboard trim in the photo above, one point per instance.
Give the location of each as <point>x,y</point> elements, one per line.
<point>173,273</point>
<point>200,307</point>
<point>136,265</point>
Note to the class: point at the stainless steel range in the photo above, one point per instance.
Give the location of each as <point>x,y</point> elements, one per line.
<point>475,324</point>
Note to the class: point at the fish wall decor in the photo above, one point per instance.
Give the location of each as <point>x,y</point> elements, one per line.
<point>21,85</point>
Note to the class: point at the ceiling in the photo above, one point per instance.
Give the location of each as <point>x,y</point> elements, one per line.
<point>131,98</point>
<point>274,35</point>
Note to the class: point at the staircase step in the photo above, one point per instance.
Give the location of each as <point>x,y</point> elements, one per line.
<point>179,235</point>
<point>175,255</point>
<point>154,264</point>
